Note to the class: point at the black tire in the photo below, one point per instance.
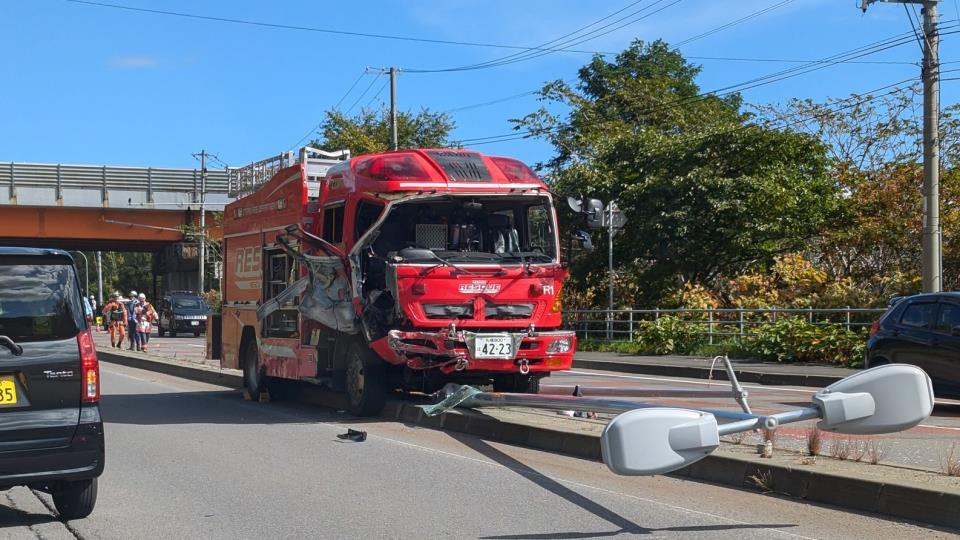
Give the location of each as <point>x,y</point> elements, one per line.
<point>253,378</point>
<point>878,361</point>
<point>365,381</point>
<point>517,383</point>
<point>75,500</point>
<point>196,334</point>
<point>160,331</point>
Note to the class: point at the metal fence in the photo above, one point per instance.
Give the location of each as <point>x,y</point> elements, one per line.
<point>623,324</point>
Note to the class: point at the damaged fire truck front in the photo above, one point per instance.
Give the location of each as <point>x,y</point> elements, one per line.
<point>406,269</point>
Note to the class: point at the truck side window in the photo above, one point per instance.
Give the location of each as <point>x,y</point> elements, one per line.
<point>333,224</point>
<point>539,230</point>
<point>367,214</point>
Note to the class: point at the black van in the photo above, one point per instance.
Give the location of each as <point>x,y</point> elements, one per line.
<point>182,312</point>
<point>51,434</point>
<point>923,330</point>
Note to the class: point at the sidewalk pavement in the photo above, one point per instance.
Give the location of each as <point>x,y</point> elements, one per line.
<point>698,367</point>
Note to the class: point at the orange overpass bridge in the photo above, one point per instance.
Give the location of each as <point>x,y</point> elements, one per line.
<point>109,208</point>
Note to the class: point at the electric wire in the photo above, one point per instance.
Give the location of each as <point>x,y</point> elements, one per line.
<point>733,23</point>
<point>332,31</point>
<point>871,48</point>
<point>369,86</point>
<point>335,107</point>
<point>572,42</point>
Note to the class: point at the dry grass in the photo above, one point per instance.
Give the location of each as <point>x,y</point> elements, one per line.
<point>763,480</point>
<point>808,460</point>
<point>950,461</point>
<point>876,448</point>
<point>770,435</point>
<point>840,448</point>
<point>858,450</point>
<point>814,441</point>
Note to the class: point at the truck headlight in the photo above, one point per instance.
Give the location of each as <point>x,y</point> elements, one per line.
<point>559,345</point>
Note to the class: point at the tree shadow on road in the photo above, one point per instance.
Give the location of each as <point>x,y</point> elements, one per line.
<point>623,524</point>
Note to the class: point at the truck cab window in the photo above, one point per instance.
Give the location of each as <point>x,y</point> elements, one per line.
<point>367,214</point>
<point>540,234</point>
<point>333,224</point>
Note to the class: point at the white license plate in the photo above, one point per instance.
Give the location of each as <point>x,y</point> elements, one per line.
<point>493,347</point>
<point>194,323</point>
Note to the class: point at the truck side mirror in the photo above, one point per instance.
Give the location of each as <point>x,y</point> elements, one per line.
<point>583,238</point>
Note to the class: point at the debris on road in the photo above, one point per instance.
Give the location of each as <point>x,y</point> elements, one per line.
<point>353,435</point>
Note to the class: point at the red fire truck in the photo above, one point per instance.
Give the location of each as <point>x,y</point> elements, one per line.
<point>400,270</point>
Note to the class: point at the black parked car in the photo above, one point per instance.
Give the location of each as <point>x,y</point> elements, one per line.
<point>51,434</point>
<point>923,330</point>
<point>182,312</point>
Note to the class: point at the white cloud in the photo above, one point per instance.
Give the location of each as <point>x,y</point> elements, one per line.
<point>134,62</point>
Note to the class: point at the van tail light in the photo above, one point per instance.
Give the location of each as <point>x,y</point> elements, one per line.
<point>89,368</point>
<point>392,167</point>
<point>874,328</point>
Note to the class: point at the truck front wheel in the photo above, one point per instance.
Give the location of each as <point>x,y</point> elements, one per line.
<point>366,381</point>
<point>517,383</point>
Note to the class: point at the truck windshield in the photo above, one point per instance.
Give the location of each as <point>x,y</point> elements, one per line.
<point>493,229</point>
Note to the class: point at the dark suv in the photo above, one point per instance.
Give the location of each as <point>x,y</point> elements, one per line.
<point>923,330</point>
<point>51,435</point>
<point>182,312</point>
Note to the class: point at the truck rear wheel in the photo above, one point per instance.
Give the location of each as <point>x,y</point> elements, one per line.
<point>253,378</point>
<point>366,381</point>
<point>517,383</point>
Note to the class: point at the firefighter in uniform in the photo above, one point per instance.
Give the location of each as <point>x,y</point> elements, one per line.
<point>116,316</point>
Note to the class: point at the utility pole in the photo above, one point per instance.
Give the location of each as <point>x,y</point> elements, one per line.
<point>394,141</point>
<point>202,156</point>
<point>99,278</point>
<point>610,233</point>
<point>932,262</point>
<point>393,108</point>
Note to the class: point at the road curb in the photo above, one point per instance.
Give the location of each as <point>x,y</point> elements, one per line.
<point>693,372</point>
<point>172,367</point>
<point>896,500</point>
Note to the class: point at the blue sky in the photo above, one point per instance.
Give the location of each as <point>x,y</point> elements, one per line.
<point>87,84</point>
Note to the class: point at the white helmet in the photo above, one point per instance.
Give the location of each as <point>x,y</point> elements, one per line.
<point>133,293</point>
<point>142,296</point>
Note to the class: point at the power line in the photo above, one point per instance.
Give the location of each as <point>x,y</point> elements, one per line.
<point>565,45</point>
<point>380,91</point>
<point>857,52</point>
<point>369,86</point>
<point>733,23</point>
<point>335,107</point>
<point>914,26</point>
<point>320,30</point>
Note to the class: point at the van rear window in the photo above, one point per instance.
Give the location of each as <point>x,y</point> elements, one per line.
<point>39,299</point>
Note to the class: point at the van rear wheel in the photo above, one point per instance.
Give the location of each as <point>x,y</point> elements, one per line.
<point>75,500</point>
<point>365,381</point>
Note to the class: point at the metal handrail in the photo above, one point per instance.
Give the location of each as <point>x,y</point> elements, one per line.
<point>622,324</point>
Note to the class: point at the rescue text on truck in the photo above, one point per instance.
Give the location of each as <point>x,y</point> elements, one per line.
<point>402,270</point>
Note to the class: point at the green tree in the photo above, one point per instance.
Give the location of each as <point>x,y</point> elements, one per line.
<point>707,191</point>
<point>369,131</point>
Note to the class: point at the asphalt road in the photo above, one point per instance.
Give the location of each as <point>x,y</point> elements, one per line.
<point>924,446</point>
<point>191,460</point>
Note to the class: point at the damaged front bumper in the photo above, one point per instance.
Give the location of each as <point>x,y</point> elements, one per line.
<point>453,350</point>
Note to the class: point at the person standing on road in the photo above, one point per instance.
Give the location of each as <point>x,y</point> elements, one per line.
<point>133,331</point>
<point>116,316</point>
<point>145,323</point>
